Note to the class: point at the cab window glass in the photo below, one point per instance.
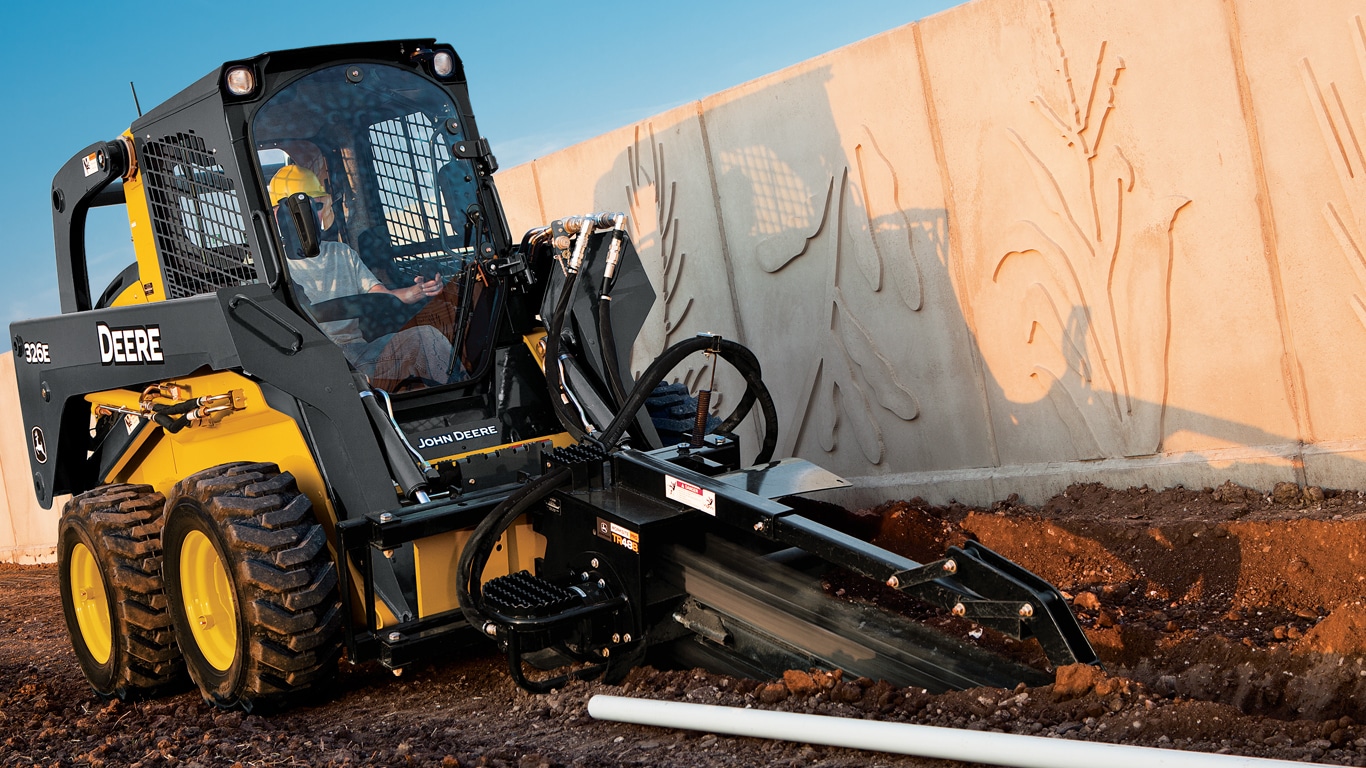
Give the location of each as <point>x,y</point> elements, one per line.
<point>395,283</point>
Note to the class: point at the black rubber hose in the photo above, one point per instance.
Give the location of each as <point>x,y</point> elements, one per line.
<point>172,425</point>
<point>479,547</point>
<point>737,355</point>
<point>770,412</point>
<point>175,409</point>
<point>552,359</point>
<point>475,555</point>
<point>608,340</point>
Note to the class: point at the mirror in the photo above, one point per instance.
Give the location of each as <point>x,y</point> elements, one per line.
<point>305,239</point>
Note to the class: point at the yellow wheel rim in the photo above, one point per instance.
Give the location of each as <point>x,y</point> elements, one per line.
<point>91,603</point>
<point>209,602</point>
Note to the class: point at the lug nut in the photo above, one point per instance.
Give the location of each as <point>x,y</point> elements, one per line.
<point>593,562</point>
<point>616,638</point>
<point>606,652</point>
<point>626,638</point>
<point>602,583</point>
<point>893,582</point>
<point>950,566</point>
<point>1026,611</point>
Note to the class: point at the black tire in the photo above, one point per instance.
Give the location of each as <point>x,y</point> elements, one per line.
<point>275,566</point>
<point>112,537</point>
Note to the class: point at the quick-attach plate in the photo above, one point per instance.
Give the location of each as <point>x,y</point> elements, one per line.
<point>783,478</point>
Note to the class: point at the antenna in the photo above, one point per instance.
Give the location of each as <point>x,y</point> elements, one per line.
<point>134,89</point>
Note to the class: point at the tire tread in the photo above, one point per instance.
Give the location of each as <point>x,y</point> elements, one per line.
<point>286,579</point>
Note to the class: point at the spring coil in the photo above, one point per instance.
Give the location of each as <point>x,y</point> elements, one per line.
<point>699,428</point>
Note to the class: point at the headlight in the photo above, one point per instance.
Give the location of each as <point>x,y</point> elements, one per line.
<point>241,80</point>
<point>443,64</point>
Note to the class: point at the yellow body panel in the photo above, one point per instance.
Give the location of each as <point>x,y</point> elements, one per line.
<point>536,343</point>
<point>436,557</point>
<point>150,287</point>
<point>258,433</point>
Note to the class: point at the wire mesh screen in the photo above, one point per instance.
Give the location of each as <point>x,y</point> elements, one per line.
<point>412,161</point>
<point>406,168</point>
<point>196,217</point>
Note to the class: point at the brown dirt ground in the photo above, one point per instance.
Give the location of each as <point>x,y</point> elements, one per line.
<point>1228,621</point>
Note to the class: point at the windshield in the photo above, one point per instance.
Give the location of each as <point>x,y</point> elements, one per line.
<point>396,283</point>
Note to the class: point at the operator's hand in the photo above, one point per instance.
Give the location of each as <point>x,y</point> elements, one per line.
<point>421,289</point>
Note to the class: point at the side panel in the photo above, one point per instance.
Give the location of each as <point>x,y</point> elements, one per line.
<point>258,433</point>
<point>435,558</point>
<point>169,340</point>
<point>197,207</point>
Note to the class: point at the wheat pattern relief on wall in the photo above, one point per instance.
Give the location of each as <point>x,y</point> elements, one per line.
<point>1091,270</point>
<point>1343,130</point>
<point>651,196</point>
<point>859,229</point>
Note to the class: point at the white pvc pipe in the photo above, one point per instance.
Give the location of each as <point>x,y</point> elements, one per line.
<point>905,739</point>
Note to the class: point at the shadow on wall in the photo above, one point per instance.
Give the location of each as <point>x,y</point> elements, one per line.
<point>771,216</point>
<point>777,220</point>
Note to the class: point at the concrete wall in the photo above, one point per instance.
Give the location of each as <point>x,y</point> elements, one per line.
<point>28,533</point>
<point>1025,243</point>
<point>1019,244</point>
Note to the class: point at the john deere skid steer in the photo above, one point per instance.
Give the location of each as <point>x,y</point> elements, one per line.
<point>334,407</point>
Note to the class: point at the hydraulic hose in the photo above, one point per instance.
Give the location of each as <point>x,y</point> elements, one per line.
<point>552,358</point>
<point>608,341</point>
<point>737,355</point>
<point>475,555</point>
<point>480,544</point>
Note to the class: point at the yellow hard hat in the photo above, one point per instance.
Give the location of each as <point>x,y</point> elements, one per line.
<point>292,180</point>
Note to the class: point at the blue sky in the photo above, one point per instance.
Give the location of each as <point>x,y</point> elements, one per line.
<point>68,66</point>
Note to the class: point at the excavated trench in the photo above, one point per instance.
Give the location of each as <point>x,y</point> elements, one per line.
<point>1223,595</point>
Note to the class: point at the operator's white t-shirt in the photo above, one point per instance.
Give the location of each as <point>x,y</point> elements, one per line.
<point>335,272</point>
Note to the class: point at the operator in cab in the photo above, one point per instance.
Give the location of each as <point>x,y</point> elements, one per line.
<point>420,351</point>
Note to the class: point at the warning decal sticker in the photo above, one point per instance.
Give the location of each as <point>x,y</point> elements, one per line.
<point>687,493</point>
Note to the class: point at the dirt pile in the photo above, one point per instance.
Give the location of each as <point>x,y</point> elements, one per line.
<point>1228,620</point>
